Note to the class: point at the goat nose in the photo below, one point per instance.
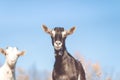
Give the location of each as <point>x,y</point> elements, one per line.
<point>12,60</point>
<point>58,42</point>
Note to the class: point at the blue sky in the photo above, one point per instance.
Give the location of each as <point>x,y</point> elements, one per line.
<point>97,35</point>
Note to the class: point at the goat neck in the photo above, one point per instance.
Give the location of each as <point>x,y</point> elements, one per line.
<point>60,53</point>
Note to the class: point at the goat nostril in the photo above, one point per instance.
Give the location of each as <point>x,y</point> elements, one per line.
<point>58,43</point>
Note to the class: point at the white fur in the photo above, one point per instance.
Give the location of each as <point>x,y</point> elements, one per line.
<point>64,33</point>
<point>7,71</point>
<point>53,33</point>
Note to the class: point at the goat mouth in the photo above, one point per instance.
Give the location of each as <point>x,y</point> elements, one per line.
<point>57,47</point>
<point>12,62</point>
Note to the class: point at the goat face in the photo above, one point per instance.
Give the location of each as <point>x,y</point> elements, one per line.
<point>58,38</point>
<point>12,55</point>
<point>58,35</point>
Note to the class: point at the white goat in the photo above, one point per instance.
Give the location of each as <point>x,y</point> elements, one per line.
<point>7,71</point>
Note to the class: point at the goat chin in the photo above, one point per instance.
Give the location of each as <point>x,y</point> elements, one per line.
<point>57,48</point>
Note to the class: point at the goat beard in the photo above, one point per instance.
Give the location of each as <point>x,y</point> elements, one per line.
<point>12,66</point>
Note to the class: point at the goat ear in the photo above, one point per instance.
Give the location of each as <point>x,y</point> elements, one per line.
<point>21,53</point>
<point>45,28</point>
<point>71,30</point>
<point>2,51</point>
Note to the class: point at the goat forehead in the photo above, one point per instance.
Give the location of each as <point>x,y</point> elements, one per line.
<point>59,29</point>
<point>12,50</point>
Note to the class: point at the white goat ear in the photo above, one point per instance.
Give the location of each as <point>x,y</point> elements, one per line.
<point>21,53</point>
<point>2,51</point>
<point>45,28</point>
<point>71,30</point>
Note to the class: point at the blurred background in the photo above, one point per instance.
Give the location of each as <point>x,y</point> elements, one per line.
<point>96,41</point>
